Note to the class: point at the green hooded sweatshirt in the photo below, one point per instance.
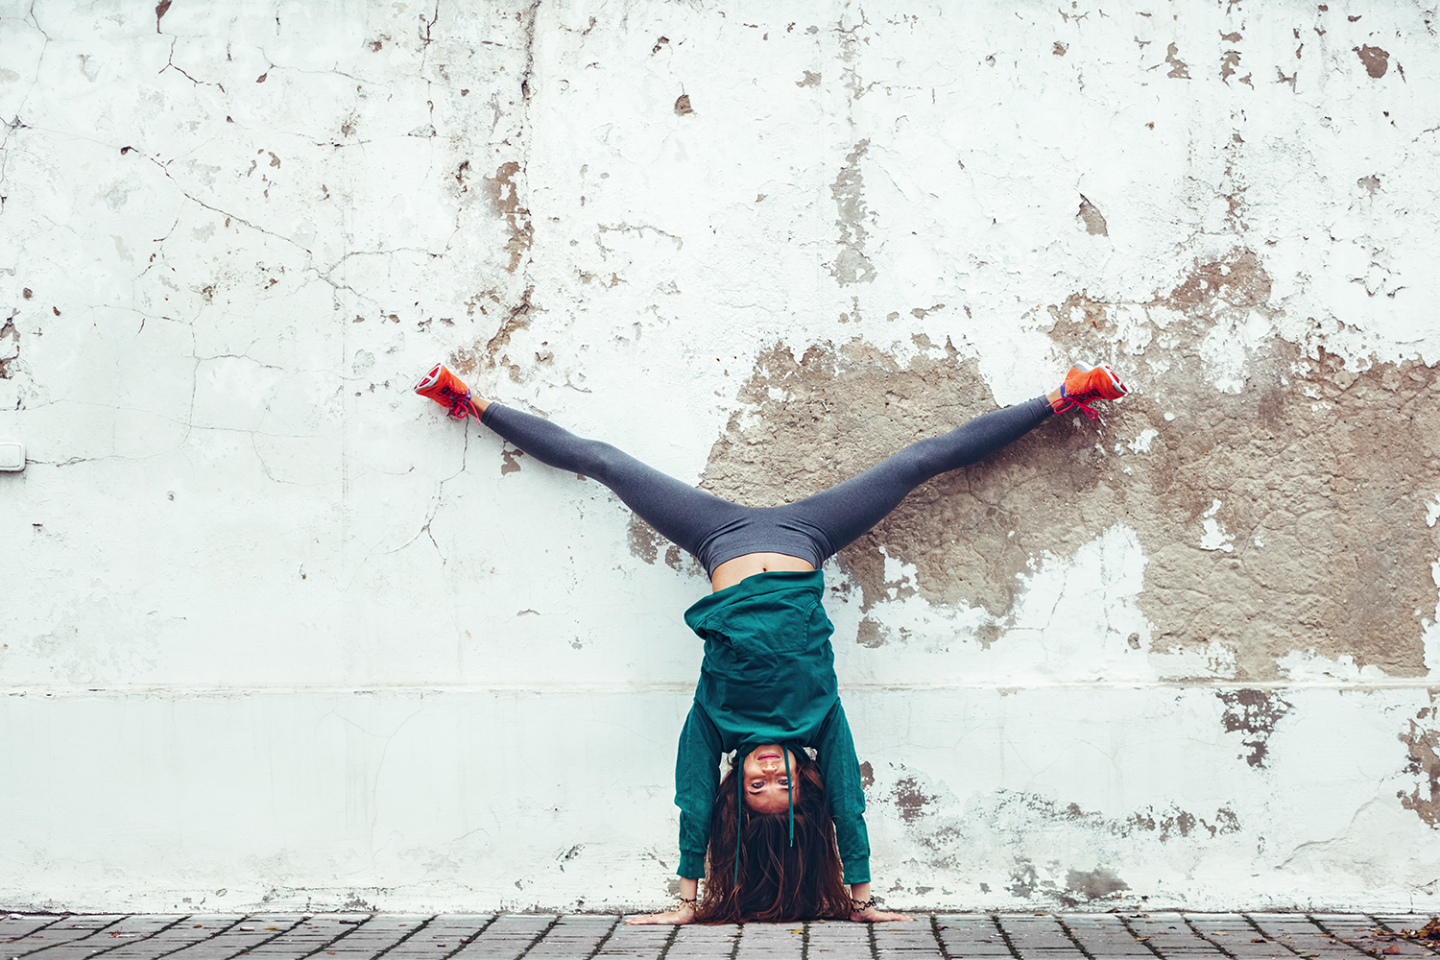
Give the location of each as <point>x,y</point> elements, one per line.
<point>768,677</point>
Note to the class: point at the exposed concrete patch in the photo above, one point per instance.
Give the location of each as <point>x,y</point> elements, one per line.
<point>1179,69</point>
<point>1093,219</point>
<point>1255,713</point>
<point>511,456</point>
<point>1423,743</point>
<point>1328,533</point>
<point>851,265</point>
<point>1376,61</point>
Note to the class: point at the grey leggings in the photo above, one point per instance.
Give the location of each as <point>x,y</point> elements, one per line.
<point>715,530</point>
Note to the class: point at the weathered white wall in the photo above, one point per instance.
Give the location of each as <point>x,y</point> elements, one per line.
<point>273,631</point>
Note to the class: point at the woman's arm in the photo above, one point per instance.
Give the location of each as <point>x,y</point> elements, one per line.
<point>697,773</point>
<point>835,749</point>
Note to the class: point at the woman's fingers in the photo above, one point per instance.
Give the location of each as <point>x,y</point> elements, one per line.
<point>685,914</point>
<point>872,915</point>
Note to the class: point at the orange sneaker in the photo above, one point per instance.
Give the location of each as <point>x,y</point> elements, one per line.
<point>448,390</point>
<point>1084,384</point>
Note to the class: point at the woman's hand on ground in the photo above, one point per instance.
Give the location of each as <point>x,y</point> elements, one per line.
<point>873,914</point>
<point>862,906</point>
<point>684,913</point>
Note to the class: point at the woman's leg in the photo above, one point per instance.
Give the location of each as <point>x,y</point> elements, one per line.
<point>836,517</point>
<point>679,512</point>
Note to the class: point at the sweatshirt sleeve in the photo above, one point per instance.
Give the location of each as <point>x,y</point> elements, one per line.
<point>697,775</point>
<point>841,771</point>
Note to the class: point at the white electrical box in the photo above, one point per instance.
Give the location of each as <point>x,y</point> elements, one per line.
<point>12,455</point>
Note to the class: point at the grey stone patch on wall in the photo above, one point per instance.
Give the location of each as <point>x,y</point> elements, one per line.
<point>1089,886</point>
<point>1023,880</point>
<point>1253,713</point>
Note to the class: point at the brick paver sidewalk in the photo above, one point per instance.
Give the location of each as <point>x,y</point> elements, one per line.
<point>288,936</point>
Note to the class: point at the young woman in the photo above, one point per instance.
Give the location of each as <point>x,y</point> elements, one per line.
<point>779,838</point>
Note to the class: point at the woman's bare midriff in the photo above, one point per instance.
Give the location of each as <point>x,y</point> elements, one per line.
<point>733,571</point>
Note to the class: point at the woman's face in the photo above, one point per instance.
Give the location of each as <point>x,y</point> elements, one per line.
<point>766,786</point>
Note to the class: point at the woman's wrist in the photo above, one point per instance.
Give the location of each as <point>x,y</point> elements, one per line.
<point>860,898</point>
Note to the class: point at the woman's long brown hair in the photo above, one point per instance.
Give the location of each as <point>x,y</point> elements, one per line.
<point>777,882</point>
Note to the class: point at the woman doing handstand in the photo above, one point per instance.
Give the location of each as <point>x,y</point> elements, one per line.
<point>779,837</point>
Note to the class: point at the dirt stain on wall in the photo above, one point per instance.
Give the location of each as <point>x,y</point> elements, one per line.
<point>1288,516</point>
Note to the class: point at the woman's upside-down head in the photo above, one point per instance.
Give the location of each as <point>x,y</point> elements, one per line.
<point>776,881</point>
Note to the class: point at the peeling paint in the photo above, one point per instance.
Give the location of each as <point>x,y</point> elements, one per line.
<point>851,265</point>
<point>1094,221</point>
<point>1253,713</point>
<point>1422,743</point>
<point>1376,61</point>
<point>504,194</point>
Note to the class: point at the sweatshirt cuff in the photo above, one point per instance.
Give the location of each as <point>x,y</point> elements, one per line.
<point>857,870</point>
<point>692,866</point>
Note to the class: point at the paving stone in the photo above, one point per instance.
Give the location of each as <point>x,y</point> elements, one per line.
<point>19,925</point>
<point>970,936</point>
<point>348,936</point>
